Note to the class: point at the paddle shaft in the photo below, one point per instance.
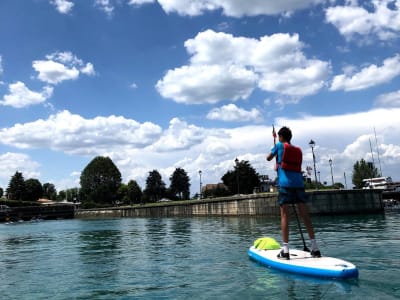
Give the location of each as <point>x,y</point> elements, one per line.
<point>301,231</point>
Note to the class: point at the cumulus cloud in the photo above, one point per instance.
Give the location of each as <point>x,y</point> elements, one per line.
<point>20,96</point>
<point>73,134</point>
<point>224,67</point>
<point>231,112</point>
<point>63,6</point>
<point>230,8</point>
<point>12,162</point>
<point>61,66</point>
<point>369,76</point>
<point>388,100</point>
<point>179,136</point>
<point>354,20</point>
<point>207,84</point>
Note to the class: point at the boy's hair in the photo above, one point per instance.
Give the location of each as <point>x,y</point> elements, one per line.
<point>286,133</point>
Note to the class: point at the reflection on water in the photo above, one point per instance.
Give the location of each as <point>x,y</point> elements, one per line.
<point>181,258</point>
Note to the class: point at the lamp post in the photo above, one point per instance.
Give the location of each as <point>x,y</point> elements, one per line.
<point>312,145</point>
<point>200,185</point>
<point>330,163</point>
<point>237,174</point>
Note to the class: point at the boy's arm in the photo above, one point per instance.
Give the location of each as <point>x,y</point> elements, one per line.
<point>270,156</point>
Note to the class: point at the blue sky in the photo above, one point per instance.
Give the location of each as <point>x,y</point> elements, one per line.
<point>160,84</point>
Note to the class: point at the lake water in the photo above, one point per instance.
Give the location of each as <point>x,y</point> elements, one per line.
<point>190,258</point>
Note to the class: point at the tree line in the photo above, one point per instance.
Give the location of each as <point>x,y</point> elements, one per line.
<point>101,185</point>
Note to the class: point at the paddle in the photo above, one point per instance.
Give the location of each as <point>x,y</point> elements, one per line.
<point>294,208</point>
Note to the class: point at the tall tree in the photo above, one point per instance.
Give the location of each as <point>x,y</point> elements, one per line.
<point>134,192</point>
<point>1,192</point>
<point>49,191</point>
<point>363,170</point>
<point>180,183</point>
<point>243,179</point>
<point>100,181</point>
<point>33,189</point>
<point>16,187</point>
<point>155,186</point>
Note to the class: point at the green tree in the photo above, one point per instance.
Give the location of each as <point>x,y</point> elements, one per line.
<point>62,195</point>
<point>155,186</point>
<point>16,187</point>
<point>33,190</point>
<point>49,191</point>
<point>244,177</point>
<point>100,181</point>
<point>1,192</point>
<point>123,194</point>
<point>180,184</point>
<point>134,192</point>
<point>363,170</point>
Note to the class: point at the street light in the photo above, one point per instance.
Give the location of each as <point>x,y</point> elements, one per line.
<point>237,174</point>
<point>200,185</point>
<point>312,145</point>
<point>330,163</point>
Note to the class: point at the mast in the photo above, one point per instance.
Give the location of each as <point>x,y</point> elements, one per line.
<point>377,150</point>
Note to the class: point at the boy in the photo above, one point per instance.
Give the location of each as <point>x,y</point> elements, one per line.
<point>291,189</point>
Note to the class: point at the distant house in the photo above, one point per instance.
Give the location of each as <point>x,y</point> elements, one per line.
<point>214,190</point>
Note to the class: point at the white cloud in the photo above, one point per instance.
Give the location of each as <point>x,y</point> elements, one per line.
<point>88,69</point>
<point>20,96</point>
<point>61,66</point>
<point>133,85</point>
<point>1,65</point>
<point>230,8</point>
<point>389,99</point>
<point>73,134</point>
<point>137,148</point>
<point>179,136</point>
<point>13,162</point>
<point>352,20</point>
<point>369,76</point>
<point>224,67</point>
<point>231,112</point>
<point>140,2</point>
<point>207,84</point>
<point>106,6</point>
<point>63,6</point>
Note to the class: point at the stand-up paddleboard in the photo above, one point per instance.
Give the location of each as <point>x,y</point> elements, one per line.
<point>301,262</point>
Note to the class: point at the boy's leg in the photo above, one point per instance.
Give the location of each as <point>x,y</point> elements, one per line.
<point>285,223</point>
<point>310,229</point>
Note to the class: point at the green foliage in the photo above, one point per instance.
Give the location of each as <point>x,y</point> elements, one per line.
<point>134,192</point>
<point>33,190</point>
<point>49,191</point>
<point>155,187</point>
<point>71,195</point>
<point>363,170</point>
<point>244,177</point>
<point>122,194</point>
<point>338,185</point>
<point>16,187</point>
<point>180,184</point>
<point>100,181</point>
<point>1,192</point>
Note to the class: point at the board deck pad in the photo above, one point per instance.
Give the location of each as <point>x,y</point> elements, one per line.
<point>301,262</point>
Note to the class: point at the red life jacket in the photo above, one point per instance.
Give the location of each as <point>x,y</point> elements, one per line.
<point>292,158</point>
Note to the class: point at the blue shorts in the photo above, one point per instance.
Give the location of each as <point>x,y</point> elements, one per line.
<point>291,195</point>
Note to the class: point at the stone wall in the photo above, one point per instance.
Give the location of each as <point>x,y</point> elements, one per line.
<point>321,203</point>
